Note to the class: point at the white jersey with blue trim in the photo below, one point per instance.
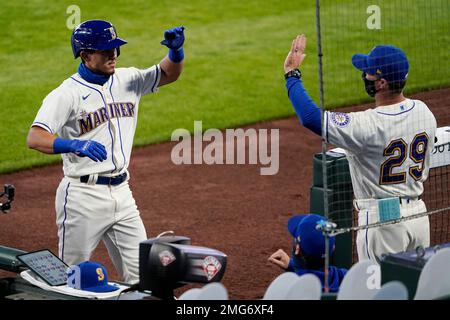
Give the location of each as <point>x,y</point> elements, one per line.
<point>388,148</point>
<point>78,109</point>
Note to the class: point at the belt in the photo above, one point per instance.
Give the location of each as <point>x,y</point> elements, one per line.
<point>408,200</point>
<point>367,203</point>
<point>113,181</point>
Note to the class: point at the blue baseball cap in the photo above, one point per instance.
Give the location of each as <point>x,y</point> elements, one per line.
<point>93,277</point>
<point>303,228</point>
<point>384,61</point>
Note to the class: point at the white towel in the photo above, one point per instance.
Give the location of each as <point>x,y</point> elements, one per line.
<point>29,276</point>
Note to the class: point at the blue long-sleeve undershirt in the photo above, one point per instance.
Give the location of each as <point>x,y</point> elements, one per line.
<point>307,111</point>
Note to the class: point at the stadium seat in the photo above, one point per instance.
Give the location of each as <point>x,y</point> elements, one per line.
<point>361,281</point>
<point>306,287</point>
<point>434,280</point>
<point>213,291</point>
<point>290,286</point>
<point>279,287</point>
<point>190,294</point>
<point>394,290</point>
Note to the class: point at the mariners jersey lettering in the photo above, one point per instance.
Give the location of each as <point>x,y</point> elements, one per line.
<point>92,120</point>
<point>78,109</point>
<point>388,148</point>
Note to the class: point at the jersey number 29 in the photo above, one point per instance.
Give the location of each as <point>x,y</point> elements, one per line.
<point>398,150</point>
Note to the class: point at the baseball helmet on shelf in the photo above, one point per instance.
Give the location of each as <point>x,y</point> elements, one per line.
<point>95,35</point>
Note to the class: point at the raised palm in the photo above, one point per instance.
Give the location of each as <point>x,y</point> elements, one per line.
<point>296,55</point>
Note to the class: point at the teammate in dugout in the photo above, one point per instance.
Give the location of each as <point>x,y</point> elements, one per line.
<point>388,148</point>
<point>308,252</point>
<point>94,113</point>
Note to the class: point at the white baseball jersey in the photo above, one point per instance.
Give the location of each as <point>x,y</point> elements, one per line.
<point>78,109</point>
<point>388,151</point>
<point>388,148</point>
<point>88,213</point>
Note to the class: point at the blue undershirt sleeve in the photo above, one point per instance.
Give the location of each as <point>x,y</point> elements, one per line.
<point>290,266</point>
<point>307,111</point>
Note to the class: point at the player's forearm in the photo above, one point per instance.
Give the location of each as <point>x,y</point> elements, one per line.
<point>172,64</point>
<point>306,109</point>
<point>170,70</point>
<point>41,140</point>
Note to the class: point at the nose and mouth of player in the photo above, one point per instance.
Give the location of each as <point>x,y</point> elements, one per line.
<point>110,59</point>
<point>106,61</point>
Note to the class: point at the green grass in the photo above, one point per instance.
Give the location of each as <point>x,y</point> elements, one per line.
<point>234,56</point>
<point>420,27</point>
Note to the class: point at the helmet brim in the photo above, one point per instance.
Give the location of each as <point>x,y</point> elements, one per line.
<point>116,43</point>
<point>112,44</point>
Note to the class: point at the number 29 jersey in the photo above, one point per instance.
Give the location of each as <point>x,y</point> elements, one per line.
<point>388,148</point>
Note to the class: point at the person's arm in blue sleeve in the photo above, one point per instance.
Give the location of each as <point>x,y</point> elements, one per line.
<point>290,266</point>
<point>307,111</point>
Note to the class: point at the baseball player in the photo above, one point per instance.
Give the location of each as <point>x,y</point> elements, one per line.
<point>94,114</point>
<point>388,148</point>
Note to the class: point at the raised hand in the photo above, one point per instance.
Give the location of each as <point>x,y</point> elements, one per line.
<point>174,38</point>
<point>296,55</point>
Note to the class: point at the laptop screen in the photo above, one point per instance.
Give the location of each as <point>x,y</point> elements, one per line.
<point>47,266</point>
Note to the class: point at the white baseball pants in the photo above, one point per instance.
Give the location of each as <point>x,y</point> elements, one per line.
<point>86,214</point>
<point>404,236</point>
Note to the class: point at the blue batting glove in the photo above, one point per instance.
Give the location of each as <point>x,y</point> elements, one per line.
<point>82,148</point>
<point>174,38</point>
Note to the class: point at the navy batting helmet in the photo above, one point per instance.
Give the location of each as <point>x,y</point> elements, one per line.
<point>95,35</point>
